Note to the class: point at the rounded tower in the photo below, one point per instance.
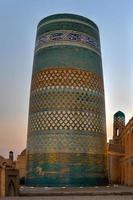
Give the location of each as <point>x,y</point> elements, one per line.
<point>66,143</point>
<point>118,125</point>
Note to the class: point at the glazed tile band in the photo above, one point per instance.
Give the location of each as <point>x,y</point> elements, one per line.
<point>70,37</point>
<point>73,78</point>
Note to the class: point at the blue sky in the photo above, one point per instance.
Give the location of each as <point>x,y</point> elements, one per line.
<point>18,21</point>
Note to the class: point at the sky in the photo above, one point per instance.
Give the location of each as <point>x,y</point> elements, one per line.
<point>18,23</point>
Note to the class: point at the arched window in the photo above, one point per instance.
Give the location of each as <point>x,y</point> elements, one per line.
<point>117,132</point>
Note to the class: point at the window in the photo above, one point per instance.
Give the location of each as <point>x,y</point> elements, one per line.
<point>117,132</point>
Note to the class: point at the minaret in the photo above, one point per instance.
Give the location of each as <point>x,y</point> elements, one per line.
<point>11,155</point>
<point>118,126</point>
<point>66,143</point>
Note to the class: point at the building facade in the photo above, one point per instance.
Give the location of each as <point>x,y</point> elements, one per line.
<point>66,143</point>
<point>9,177</point>
<point>120,151</point>
<point>8,162</point>
<point>21,164</point>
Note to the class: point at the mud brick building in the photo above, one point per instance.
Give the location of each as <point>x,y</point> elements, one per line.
<point>120,151</point>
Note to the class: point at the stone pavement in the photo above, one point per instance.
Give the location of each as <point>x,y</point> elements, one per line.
<point>87,193</point>
<point>76,191</point>
<point>110,197</point>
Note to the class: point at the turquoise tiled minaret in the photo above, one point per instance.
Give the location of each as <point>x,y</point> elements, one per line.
<point>66,144</point>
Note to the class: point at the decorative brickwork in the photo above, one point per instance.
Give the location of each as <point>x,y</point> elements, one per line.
<point>66,143</point>
<point>67,120</point>
<point>120,151</point>
<point>69,78</point>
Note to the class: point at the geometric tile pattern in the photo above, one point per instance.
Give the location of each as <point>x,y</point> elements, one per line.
<point>67,120</point>
<point>67,99</point>
<point>70,99</point>
<point>64,157</point>
<point>65,141</point>
<point>69,78</point>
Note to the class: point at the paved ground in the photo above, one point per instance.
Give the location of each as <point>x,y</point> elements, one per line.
<point>80,193</point>
<point>117,197</point>
<point>76,191</point>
